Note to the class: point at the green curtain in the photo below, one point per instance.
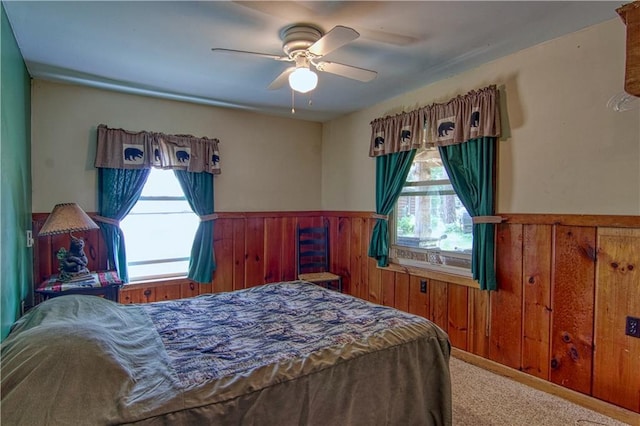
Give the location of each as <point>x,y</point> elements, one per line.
<point>198,188</point>
<point>470,166</point>
<point>119,190</point>
<point>391,174</point>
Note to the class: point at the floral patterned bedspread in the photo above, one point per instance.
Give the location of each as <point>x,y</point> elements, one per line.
<point>214,336</point>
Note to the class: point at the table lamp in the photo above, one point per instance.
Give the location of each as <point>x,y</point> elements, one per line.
<point>69,217</point>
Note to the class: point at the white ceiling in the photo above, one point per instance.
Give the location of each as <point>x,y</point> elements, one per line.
<point>164,48</point>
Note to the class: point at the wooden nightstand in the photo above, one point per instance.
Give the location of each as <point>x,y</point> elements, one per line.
<point>106,284</point>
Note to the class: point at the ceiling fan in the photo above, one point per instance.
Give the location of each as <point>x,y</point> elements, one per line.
<point>305,45</point>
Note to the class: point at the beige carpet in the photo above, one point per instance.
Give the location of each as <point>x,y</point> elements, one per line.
<point>482,398</point>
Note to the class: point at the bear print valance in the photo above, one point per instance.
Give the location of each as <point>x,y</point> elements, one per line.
<point>471,116</point>
<point>401,132</point>
<point>122,149</point>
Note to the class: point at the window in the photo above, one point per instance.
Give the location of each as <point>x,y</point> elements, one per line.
<point>430,225</point>
<point>159,230</point>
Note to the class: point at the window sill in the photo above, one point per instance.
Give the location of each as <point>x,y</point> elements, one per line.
<point>157,281</point>
<point>432,273</point>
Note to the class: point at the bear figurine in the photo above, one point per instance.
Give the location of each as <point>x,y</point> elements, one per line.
<point>74,262</point>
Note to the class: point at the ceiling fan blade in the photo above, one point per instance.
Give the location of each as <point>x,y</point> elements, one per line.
<point>284,10</point>
<point>337,37</point>
<point>244,52</point>
<point>282,79</point>
<point>394,39</point>
<point>331,11</point>
<point>348,71</point>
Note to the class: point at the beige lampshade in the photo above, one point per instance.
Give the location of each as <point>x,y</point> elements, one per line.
<point>68,217</point>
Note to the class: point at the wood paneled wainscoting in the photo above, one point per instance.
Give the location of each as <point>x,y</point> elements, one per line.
<point>567,284</point>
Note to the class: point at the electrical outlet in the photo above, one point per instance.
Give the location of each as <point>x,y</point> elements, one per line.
<point>633,327</point>
<point>423,286</point>
<point>29,238</point>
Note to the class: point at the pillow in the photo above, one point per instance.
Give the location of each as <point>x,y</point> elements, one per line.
<point>83,360</point>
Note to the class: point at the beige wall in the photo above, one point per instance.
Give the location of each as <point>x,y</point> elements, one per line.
<point>268,163</point>
<point>562,149</point>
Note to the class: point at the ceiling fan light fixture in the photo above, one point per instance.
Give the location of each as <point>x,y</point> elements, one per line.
<point>303,80</point>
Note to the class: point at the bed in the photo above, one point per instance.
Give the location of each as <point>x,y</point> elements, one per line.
<point>289,353</point>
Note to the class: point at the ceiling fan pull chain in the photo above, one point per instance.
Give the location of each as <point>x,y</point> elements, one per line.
<point>293,109</point>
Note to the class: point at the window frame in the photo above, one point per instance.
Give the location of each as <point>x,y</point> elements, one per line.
<point>418,257</point>
<point>164,276</point>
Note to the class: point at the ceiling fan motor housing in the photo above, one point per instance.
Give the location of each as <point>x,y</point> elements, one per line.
<point>296,39</point>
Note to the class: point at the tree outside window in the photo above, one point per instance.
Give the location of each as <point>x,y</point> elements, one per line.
<point>430,224</point>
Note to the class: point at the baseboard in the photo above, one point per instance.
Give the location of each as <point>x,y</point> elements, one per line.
<point>613,411</point>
